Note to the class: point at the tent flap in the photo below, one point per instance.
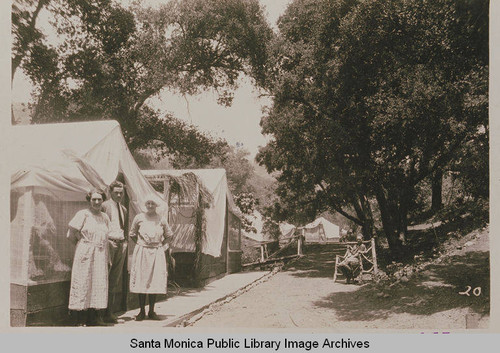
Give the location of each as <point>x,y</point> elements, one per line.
<point>215,182</point>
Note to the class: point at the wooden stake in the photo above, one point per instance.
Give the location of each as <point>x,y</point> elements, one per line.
<point>374,257</point>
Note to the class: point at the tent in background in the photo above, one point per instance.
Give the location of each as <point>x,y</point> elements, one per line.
<point>321,231</point>
<point>287,231</point>
<point>257,224</point>
<point>55,165</point>
<point>255,239</point>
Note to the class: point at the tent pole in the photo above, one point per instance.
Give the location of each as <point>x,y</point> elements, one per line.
<point>299,242</point>
<point>198,240</point>
<point>29,215</point>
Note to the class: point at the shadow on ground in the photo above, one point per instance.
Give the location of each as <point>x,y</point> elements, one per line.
<point>313,265</point>
<point>433,290</point>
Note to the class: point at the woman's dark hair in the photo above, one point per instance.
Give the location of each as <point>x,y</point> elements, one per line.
<point>95,191</point>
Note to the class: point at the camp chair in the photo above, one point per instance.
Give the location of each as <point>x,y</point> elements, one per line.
<point>367,261</point>
<point>356,270</point>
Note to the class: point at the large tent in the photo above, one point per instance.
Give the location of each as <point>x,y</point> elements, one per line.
<point>66,159</point>
<point>220,237</point>
<point>54,167</point>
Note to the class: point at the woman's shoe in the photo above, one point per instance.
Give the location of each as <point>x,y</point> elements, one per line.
<point>141,316</point>
<point>152,316</point>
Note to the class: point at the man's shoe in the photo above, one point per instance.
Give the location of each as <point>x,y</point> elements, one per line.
<point>111,319</point>
<point>152,316</point>
<point>141,316</point>
<point>100,322</point>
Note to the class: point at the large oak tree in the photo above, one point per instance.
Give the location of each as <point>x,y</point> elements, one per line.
<point>110,60</point>
<point>369,99</point>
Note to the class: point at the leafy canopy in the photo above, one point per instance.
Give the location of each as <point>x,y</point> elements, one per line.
<point>110,60</point>
<point>369,99</point>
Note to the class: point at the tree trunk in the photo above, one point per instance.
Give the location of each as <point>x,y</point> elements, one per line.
<point>437,191</point>
<point>389,223</point>
<point>367,230</point>
<point>13,120</point>
<point>368,226</point>
<point>363,211</point>
<point>406,197</point>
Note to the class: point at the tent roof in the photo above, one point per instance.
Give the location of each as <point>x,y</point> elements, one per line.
<point>44,142</point>
<point>66,159</point>
<point>211,179</point>
<point>287,230</point>
<point>331,230</point>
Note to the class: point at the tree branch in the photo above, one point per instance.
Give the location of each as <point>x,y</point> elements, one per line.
<point>16,61</point>
<point>332,204</point>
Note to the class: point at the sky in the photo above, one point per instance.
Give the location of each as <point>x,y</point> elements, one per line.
<point>238,124</point>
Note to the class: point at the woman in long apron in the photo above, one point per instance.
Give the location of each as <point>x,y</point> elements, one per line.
<point>148,270</point>
<point>89,274</point>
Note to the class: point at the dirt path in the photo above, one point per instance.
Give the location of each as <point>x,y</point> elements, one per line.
<point>303,295</point>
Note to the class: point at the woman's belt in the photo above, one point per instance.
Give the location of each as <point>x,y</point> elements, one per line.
<point>98,244</point>
<point>150,245</point>
<point>118,241</point>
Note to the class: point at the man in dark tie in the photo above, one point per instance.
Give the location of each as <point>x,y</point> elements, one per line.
<point>117,241</point>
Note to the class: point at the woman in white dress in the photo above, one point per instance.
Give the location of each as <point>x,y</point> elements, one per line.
<point>148,270</point>
<point>89,274</point>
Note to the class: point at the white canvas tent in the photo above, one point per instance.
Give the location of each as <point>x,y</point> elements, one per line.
<point>64,160</point>
<point>53,167</point>
<point>321,230</point>
<point>205,221</point>
<point>287,231</point>
<point>215,181</point>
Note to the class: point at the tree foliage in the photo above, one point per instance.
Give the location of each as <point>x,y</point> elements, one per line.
<point>239,170</point>
<point>110,60</point>
<point>369,99</point>
<point>25,33</point>
<point>247,204</point>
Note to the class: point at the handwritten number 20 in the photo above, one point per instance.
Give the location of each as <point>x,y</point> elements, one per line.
<point>476,291</point>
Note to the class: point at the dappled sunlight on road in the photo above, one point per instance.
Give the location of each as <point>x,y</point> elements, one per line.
<point>303,295</point>
<point>432,291</point>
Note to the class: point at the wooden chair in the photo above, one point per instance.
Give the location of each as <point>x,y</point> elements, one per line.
<point>367,261</point>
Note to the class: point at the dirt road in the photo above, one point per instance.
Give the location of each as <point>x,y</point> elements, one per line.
<point>303,295</point>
